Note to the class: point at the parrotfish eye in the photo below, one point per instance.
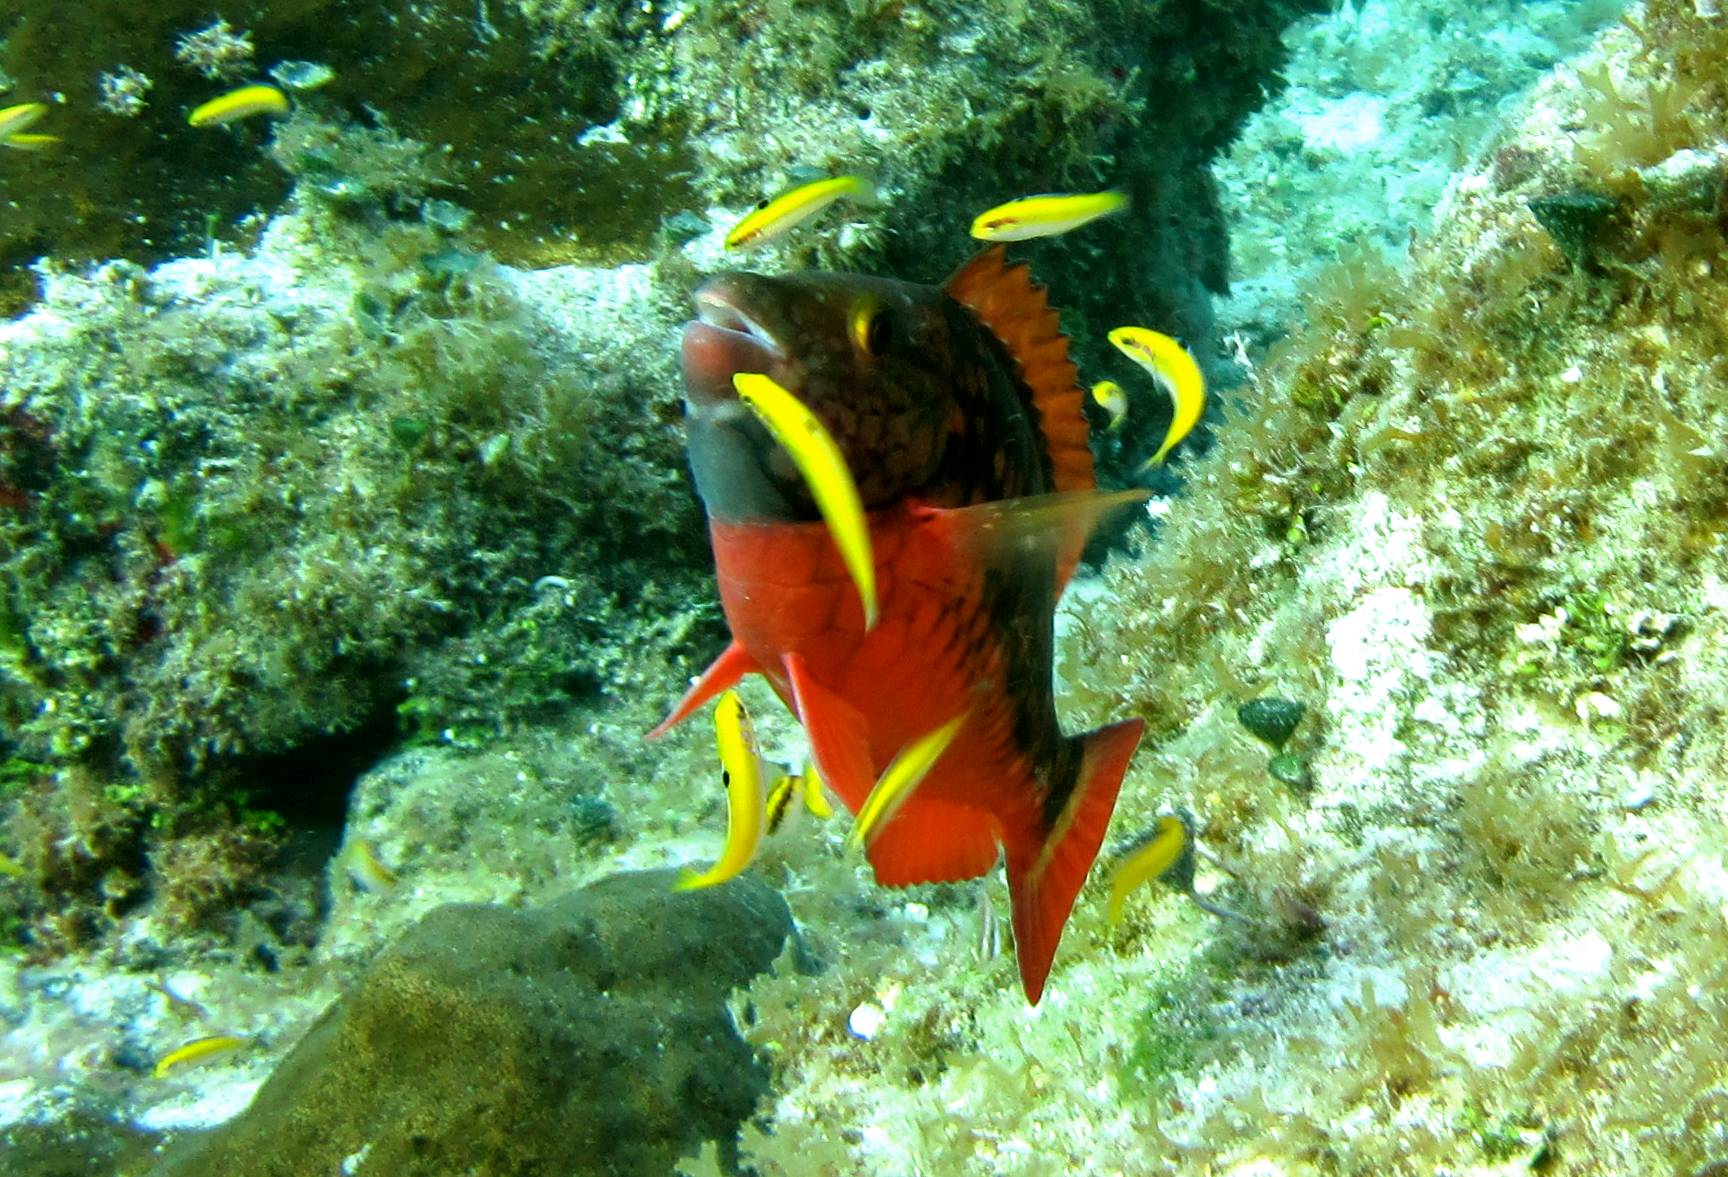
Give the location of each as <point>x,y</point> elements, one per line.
<point>872,328</point>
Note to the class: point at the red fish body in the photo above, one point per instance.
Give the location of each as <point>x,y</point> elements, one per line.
<point>958,413</point>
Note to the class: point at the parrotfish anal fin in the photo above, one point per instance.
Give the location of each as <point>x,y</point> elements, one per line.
<point>839,738</point>
<point>1018,313</point>
<point>1044,878</point>
<point>932,841</point>
<point>1009,533</point>
<point>733,664</point>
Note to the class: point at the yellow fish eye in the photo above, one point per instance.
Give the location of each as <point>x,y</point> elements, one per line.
<point>871,328</point>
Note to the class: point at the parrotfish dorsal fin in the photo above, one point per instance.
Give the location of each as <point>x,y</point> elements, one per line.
<point>1017,311</point>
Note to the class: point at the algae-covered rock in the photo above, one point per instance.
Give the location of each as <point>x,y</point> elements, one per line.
<point>359,479</point>
<point>588,1036</point>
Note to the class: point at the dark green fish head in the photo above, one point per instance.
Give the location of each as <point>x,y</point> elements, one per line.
<point>916,393</point>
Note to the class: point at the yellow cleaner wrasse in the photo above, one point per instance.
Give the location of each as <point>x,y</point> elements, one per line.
<point>366,869</point>
<point>1108,395</point>
<point>1176,372</point>
<point>746,806</point>
<point>30,141</point>
<point>1045,216</point>
<point>818,458</point>
<point>1150,860</point>
<point>903,774</point>
<point>774,218</point>
<point>815,797</point>
<point>782,803</point>
<point>199,1050</point>
<point>19,118</point>
<point>239,104</point>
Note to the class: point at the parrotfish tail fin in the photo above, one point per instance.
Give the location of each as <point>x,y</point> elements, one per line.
<point>839,737</point>
<point>1044,878</point>
<point>733,664</point>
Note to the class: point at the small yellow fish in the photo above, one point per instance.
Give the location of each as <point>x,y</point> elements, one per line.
<point>782,800</point>
<point>239,104</point>
<point>815,799</point>
<point>1148,861</point>
<point>199,1050</point>
<point>741,771</point>
<point>365,868</point>
<point>823,466</point>
<point>29,141</point>
<point>10,866</point>
<point>1109,396</point>
<point>1174,369</point>
<point>903,775</point>
<point>772,218</point>
<point>793,790</point>
<point>22,117</point>
<point>1045,216</point>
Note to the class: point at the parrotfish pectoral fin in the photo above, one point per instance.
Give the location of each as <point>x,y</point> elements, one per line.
<point>839,737</point>
<point>1043,879</point>
<point>1052,528</point>
<point>733,664</point>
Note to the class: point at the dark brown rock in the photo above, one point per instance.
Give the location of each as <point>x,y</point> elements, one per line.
<point>588,1036</point>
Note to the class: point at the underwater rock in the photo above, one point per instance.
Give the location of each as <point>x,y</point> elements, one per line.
<point>1573,219</point>
<point>589,1035</point>
<point>1272,719</point>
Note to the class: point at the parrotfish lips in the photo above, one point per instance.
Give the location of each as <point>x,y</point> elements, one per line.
<point>720,341</point>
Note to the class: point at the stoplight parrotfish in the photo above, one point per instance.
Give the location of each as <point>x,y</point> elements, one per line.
<point>957,412</point>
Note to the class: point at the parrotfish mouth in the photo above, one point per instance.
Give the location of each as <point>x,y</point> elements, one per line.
<point>722,340</point>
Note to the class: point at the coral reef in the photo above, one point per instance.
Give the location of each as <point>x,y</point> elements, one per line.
<point>1472,520</point>
<point>587,1036</point>
<point>360,477</point>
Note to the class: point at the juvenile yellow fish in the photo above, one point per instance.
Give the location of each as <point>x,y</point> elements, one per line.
<point>903,775</point>
<point>30,141</point>
<point>820,461</point>
<point>1109,396</point>
<point>367,870</point>
<point>793,790</point>
<point>14,119</point>
<point>782,800</point>
<point>1146,862</point>
<point>199,1050</point>
<point>741,771</point>
<point>1045,216</point>
<point>239,104</point>
<point>10,867</point>
<point>775,217</point>
<point>815,799</point>
<point>1174,369</point>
